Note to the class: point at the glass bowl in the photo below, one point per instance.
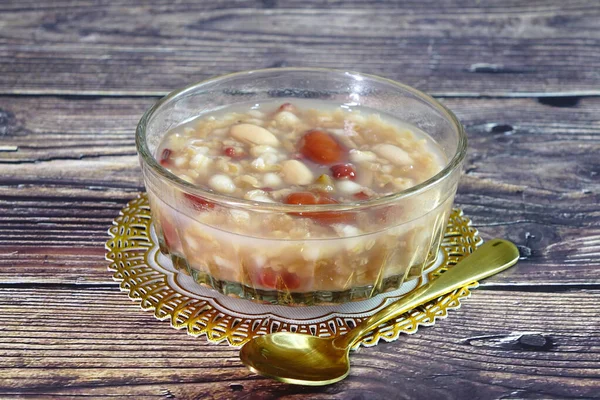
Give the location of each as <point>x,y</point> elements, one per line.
<point>271,266</point>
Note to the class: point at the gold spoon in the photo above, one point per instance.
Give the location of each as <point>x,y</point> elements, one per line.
<point>309,360</point>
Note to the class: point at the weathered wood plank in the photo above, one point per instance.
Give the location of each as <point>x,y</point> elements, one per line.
<point>453,6</point>
<point>498,345</point>
<point>530,178</point>
<point>493,48</point>
<point>68,165</point>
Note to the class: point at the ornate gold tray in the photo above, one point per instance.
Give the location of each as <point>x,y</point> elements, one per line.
<point>149,277</point>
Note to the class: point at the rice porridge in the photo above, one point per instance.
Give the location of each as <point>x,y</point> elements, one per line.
<point>301,152</point>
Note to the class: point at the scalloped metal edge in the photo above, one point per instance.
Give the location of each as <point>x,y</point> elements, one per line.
<point>199,318</point>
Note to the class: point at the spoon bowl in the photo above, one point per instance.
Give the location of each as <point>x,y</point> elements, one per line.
<point>309,360</point>
<point>296,358</point>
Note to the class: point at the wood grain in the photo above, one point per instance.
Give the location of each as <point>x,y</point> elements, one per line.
<point>95,342</point>
<point>528,178</point>
<point>75,77</point>
<point>459,48</point>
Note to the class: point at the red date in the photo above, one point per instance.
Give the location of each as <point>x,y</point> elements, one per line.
<point>169,234</point>
<point>361,196</point>
<point>324,217</point>
<point>199,203</point>
<point>320,147</point>
<point>282,280</point>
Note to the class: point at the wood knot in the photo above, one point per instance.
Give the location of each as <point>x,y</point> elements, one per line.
<point>560,101</point>
<point>279,64</point>
<point>7,122</point>
<point>236,387</point>
<point>512,341</point>
<point>534,342</point>
<point>501,128</point>
<point>166,393</point>
<point>486,68</point>
<point>524,252</point>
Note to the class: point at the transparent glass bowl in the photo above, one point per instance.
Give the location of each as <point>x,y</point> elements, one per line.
<point>320,270</point>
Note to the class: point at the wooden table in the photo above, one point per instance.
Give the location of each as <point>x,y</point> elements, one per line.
<point>75,77</point>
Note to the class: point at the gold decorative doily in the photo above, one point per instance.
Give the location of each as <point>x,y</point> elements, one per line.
<point>149,278</point>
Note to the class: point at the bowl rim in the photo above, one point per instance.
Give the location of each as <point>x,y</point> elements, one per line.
<point>187,187</point>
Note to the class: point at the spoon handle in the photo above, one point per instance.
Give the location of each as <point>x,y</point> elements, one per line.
<point>490,258</point>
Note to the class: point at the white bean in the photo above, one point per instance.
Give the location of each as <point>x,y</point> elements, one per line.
<point>352,243</point>
<point>253,134</point>
<point>286,119</point>
<point>310,253</point>
<point>240,216</point>
<point>296,173</point>
<point>258,164</point>
<point>258,195</point>
<point>177,142</point>
<point>281,193</point>
<point>394,154</point>
<point>256,114</point>
<point>256,151</point>
<point>347,186</point>
<point>180,161</point>
<point>357,156</point>
<point>270,159</point>
<point>219,132</point>
<point>272,180</point>
<point>346,230</point>
<point>222,183</point>
<point>200,161</point>
<point>252,194</point>
<point>193,144</point>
